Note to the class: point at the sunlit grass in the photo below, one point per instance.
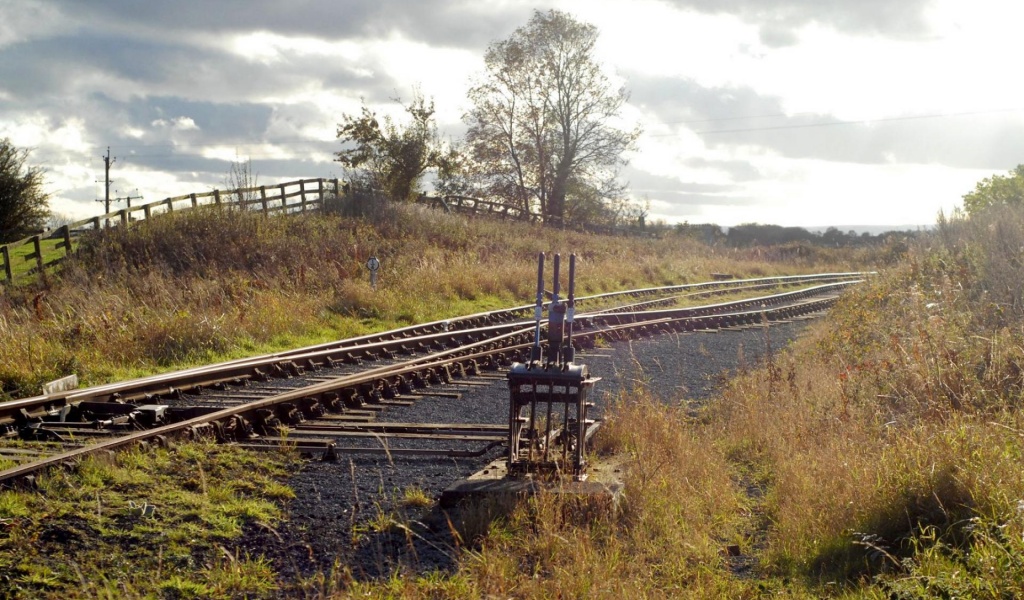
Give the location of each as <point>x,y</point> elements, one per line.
<point>207,285</point>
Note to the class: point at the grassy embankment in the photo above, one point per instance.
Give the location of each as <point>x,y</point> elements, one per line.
<point>253,283</point>
<point>205,285</point>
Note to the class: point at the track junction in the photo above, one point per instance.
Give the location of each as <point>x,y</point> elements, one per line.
<point>324,399</point>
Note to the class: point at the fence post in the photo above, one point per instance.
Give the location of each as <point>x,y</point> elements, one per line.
<point>302,195</point>
<point>337,187</point>
<point>170,205</point>
<point>263,199</point>
<point>7,263</point>
<point>321,191</point>
<point>123,213</point>
<point>95,223</point>
<point>66,233</point>
<point>145,211</point>
<point>195,201</point>
<point>284,199</point>
<point>38,252</point>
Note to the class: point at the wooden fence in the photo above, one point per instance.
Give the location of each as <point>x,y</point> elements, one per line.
<point>50,248</point>
<point>478,206</point>
<point>44,250</point>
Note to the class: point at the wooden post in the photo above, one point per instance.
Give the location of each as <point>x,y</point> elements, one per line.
<point>337,187</point>
<point>302,195</point>
<point>284,199</point>
<point>123,213</point>
<point>7,262</point>
<point>170,205</point>
<point>66,234</point>
<point>320,191</point>
<point>195,201</point>
<point>263,199</point>
<point>146,211</point>
<point>38,253</point>
<point>95,223</point>
<point>216,197</point>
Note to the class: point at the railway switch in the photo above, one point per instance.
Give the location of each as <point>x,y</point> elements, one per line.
<point>548,423</point>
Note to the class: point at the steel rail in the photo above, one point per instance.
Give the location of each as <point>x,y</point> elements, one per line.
<point>486,350</point>
<point>473,321</point>
<point>15,411</point>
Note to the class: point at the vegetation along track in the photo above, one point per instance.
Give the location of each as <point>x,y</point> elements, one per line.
<point>310,398</point>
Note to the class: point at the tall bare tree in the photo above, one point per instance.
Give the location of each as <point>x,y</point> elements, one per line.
<point>24,206</point>
<point>543,118</point>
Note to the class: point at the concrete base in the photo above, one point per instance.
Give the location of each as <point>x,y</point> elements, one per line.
<point>604,484</point>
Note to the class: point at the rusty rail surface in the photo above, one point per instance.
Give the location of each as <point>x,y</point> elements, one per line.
<point>444,356</point>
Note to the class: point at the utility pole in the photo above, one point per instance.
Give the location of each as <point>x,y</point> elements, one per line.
<point>107,161</point>
<point>128,198</point>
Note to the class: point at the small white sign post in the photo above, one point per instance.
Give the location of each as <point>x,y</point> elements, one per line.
<point>373,265</point>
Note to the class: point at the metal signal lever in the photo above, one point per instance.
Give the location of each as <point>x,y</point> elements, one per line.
<point>568,352</point>
<point>556,320</point>
<point>535,353</point>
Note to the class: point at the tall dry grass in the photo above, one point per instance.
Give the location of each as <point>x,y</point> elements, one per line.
<point>877,458</point>
<point>892,441</point>
<point>195,286</point>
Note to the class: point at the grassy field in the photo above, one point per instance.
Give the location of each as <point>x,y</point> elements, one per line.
<point>21,267</point>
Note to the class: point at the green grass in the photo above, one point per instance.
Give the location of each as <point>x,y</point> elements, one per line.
<point>76,536</point>
<point>20,266</point>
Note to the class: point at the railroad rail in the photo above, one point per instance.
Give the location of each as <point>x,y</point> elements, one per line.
<point>253,403</point>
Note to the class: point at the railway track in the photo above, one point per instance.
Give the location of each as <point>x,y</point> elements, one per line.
<point>324,398</point>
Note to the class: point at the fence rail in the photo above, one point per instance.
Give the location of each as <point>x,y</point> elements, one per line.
<point>478,206</point>
<point>46,249</point>
<point>38,252</point>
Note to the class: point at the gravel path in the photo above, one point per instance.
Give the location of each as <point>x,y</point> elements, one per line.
<point>349,514</point>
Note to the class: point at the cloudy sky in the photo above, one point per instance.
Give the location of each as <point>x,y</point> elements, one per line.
<point>796,112</point>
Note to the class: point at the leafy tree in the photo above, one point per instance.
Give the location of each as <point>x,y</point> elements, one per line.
<point>24,206</point>
<point>389,157</point>
<point>541,122</point>
<point>996,190</point>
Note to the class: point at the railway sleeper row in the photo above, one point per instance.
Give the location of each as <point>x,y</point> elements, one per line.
<point>270,423</point>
